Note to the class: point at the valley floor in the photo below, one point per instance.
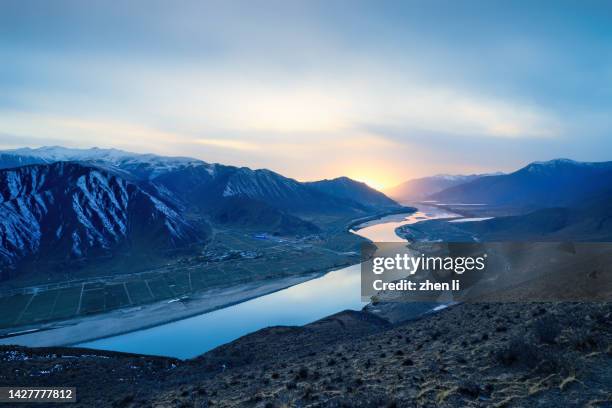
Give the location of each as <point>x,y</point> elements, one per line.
<point>105,306</point>
<point>87,328</point>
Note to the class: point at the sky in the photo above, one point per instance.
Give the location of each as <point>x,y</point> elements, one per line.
<point>381,91</point>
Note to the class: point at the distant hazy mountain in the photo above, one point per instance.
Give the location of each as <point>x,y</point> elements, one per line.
<point>348,189</point>
<point>421,188</point>
<point>66,210</point>
<point>590,221</point>
<point>134,164</point>
<point>9,160</point>
<point>554,183</point>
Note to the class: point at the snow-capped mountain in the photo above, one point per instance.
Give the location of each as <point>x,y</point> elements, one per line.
<point>261,183</point>
<point>551,183</point>
<point>142,166</point>
<point>69,210</point>
<point>289,194</point>
<point>186,180</point>
<point>63,204</point>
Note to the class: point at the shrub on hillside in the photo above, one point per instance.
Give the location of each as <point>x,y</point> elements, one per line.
<point>547,329</point>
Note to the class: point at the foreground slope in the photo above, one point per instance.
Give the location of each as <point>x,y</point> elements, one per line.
<point>473,355</point>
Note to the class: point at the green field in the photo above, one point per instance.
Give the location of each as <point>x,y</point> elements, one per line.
<point>67,303</point>
<point>275,259</point>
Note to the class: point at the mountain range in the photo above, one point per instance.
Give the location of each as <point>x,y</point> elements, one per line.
<point>58,203</point>
<point>559,199</point>
<point>67,209</point>
<point>421,188</point>
<point>553,183</point>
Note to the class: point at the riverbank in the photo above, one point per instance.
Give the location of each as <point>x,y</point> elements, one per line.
<point>360,223</point>
<point>163,328</point>
<point>88,328</point>
<point>468,355</point>
<point>121,321</point>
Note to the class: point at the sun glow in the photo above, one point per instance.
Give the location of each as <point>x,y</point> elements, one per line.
<point>378,183</point>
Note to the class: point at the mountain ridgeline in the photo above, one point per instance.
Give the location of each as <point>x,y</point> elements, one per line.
<point>422,188</point>
<point>553,183</point>
<point>65,205</point>
<point>346,189</point>
<point>555,200</point>
<point>66,209</point>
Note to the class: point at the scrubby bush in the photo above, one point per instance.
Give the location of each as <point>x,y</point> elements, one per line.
<point>469,389</point>
<point>582,340</point>
<point>302,373</point>
<point>517,351</point>
<point>547,329</point>
<point>407,362</point>
<point>542,359</point>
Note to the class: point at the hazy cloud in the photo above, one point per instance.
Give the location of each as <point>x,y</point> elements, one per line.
<point>313,89</point>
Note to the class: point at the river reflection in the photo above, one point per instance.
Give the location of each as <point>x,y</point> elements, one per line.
<point>298,305</point>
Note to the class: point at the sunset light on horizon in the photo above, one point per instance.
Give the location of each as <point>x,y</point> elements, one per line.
<point>312,90</point>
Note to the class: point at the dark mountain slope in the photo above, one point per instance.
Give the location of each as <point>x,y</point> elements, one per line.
<point>590,221</point>
<point>421,188</point>
<point>69,211</point>
<point>246,198</point>
<point>556,183</point>
<point>348,189</point>
<point>204,186</point>
<point>252,214</point>
<point>137,211</point>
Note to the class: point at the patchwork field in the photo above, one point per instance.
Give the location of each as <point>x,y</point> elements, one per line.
<point>257,259</point>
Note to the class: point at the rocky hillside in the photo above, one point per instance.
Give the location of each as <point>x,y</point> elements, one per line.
<point>206,186</point>
<point>472,355</point>
<point>68,210</point>
<point>347,189</point>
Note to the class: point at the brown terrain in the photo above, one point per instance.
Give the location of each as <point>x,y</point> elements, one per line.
<point>469,355</point>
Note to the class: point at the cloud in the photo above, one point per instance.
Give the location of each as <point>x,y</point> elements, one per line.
<point>397,87</point>
<point>229,144</point>
<point>41,129</point>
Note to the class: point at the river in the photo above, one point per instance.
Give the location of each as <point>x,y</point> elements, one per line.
<point>294,306</point>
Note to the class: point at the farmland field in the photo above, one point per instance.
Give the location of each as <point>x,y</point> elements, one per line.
<point>256,260</point>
